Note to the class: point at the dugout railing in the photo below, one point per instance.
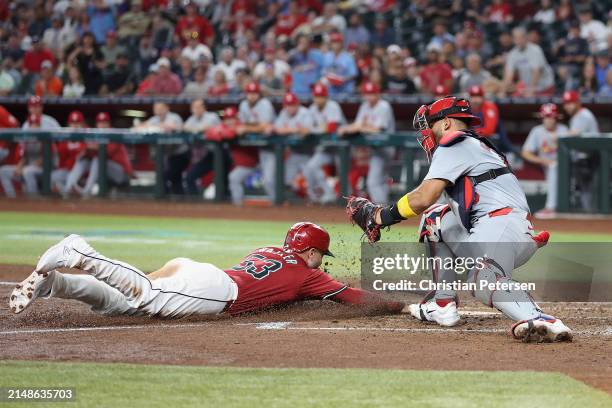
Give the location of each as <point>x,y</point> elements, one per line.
<point>405,142</point>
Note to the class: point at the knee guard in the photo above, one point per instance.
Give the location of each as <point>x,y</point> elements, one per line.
<point>430,228</point>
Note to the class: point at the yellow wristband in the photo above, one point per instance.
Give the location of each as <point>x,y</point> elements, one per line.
<point>403,206</point>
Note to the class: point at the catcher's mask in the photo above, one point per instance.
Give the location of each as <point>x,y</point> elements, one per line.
<point>447,107</point>
<point>306,235</point>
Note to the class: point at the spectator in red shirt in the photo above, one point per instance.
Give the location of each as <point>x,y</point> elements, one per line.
<point>220,86</point>
<point>499,12</point>
<point>165,82</point>
<point>192,21</point>
<point>33,59</point>
<point>435,72</point>
<point>285,24</point>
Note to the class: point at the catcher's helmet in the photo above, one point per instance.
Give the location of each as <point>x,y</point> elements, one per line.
<point>305,235</point>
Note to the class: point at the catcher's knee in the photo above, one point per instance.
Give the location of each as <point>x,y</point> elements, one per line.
<point>430,228</point>
<point>482,277</point>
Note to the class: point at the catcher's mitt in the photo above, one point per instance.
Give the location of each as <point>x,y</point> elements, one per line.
<point>362,212</point>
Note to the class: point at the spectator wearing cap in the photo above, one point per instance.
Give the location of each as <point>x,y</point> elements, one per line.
<point>329,21</point>
<point>441,35</point>
<point>133,23</point>
<point>473,74</point>
<point>527,62</point>
<point>193,21</point>
<point>165,82</point>
<point>256,115</point>
<point>540,148</point>
<point>396,77</point>
<point>120,79</point>
<point>306,63</point>
<point>68,155</point>
<point>581,119</point>
<point>229,65</point>
<point>33,59</point>
<point>199,122</point>
<point>374,115</point>
<point>48,83</point>
<point>435,72</point>
<point>101,19</point>
<point>339,68</point>
<point>327,117</point>
<point>195,50</point>
<point>112,49</point>
<point>382,35</point>
<point>592,30</point>
<point>356,33</point>
<point>59,36</point>
<point>86,55</point>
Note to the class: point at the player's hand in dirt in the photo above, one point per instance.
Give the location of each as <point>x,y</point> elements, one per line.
<point>362,212</point>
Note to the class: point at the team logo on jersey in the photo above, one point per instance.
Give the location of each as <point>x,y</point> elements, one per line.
<point>258,266</point>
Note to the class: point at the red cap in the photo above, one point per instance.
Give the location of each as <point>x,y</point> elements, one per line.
<point>319,90</point>
<point>571,97</point>
<point>370,88</point>
<point>102,117</point>
<point>252,87</point>
<point>35,101</point>
<point>230,112</point>
<point>34,119</point>
<point>305,235</point>
<point>76,117</point>
<point>441,90</point>
<point>290,99</point>
<point>336,37</point>
<point>549,110</point>
<point>476,90</point>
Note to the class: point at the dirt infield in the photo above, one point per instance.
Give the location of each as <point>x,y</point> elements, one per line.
<point>321,214</point>
<point>311,334</point>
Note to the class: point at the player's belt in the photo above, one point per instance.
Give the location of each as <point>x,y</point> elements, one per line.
<point>491,174</point>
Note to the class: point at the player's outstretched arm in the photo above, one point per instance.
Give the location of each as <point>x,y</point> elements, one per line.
<point>369,303</point>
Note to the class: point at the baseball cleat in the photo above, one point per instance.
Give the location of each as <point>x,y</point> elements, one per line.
<point>544,329</point>
<point>65,254</point>
<point>440,311</point>
<point>35,285</point>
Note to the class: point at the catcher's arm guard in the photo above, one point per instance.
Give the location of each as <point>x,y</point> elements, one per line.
<point>362,212</point>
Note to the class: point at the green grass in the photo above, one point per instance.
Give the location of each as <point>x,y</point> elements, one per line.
<point>129,385</point>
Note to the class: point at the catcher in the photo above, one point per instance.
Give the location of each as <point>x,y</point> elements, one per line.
<point>266,277</point>
<point>484,208</point>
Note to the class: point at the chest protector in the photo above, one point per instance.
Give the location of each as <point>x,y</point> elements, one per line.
<point>463,192</point>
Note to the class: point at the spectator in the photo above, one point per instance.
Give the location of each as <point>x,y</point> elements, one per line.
<point>356,33</point>
<point>33,59</point>
<point>191,22</point>
<point>59,36</point>
<point>339,68</point>
<point>588,81</point>
<point>146,85</point>
<point>396,77</point>
<point>270,84</point>
<point>198,86</point>
<point>565,11</point>
<point>306,64</point>
<point>101,19</point>
<point>162,32</point>
<point>500,11</point>
<point>68,154</point>
<point>474,74</point>
<point>133,23</point>
<point>74,88</point>
<point>546,13</point>
<point>280,68</point>
<point>229,65</point>
<point>48,84</point>
<point>497,62</point>
<point>120,80</point>
<point>573,50</point>
<point>286,23</point>
<point>195,50</point>
<point>441,35</point>
<point>602,66</point>
<point>435,72</point>
<point>541,148</point>
<point>329,21</point>
<point>382,35</point>
<point>535,76</point>
<point>86,56</point>
<point>12,48</point>
<point>147,54</point>
<point>594,31</point>
<point>220,86</point>
<point>491,125</point>
<point>185,69</point>
<point>581,119</point>
<point>199,122</point>
<point>7,83</point>
<point>111,49</point>
<point>606,88</point>
<point>165,82</point>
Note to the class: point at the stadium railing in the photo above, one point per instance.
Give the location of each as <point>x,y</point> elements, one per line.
<point>404,141</point>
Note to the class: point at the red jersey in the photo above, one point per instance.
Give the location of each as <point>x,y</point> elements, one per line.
<point>186,25</point>
<point>118,153</point>
<point>272,276</point>
<point>67,153</point>
<point>32,60</point>
<point>8,121</point>
<point>433,75</point>
<point>489,115</point>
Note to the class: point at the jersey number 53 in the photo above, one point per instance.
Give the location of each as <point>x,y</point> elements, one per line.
<point>258,266</point>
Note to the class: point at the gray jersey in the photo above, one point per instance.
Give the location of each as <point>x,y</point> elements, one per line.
<point>302,119</point>
<point>261,112</point>
<point>528,59</point>
<point>472,157</point>
<point>379,115</point>
<point>199,124</point>
<point>331,113</point>
<point>584,121</point>
<point>544,143</point>
<point>171,118</point>
<point>46,123</point>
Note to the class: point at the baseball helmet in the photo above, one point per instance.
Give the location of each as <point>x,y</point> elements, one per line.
<point>319,90</point>
<point>103,117</point>
<point>571,97</point>
<point>549,110</point>
<point>476,90</point>
<point>306,235</point>
<point>290,99</point>
<point>229,112</point>
<point>370,88</point>
<point>252,87</point>
<point>76,117</point>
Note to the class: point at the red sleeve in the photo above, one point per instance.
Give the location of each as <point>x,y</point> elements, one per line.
<point>490,115</point>
<point>319,285</point>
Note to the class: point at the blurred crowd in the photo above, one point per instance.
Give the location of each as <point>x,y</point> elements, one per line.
<point>214,48</point>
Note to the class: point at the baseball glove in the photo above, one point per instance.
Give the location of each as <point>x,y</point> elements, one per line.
<point>362,212</point>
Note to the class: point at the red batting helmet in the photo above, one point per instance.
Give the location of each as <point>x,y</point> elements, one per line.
<point>290,99</point>
<point>571,97</point>
<point>252,87</point>
<point>549,110</point>
<point>103,117</point>
<point>319,90</point>
<point>76,117</point>
<point>305,235</point>
<point>370,88</point>
<point>229,112</point>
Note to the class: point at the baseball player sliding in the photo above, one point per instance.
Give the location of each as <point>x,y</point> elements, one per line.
<point>485,216</point>
<point>266,277</point>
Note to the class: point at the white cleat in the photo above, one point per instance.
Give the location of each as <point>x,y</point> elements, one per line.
<point>443,313</point>
<point>35,285</point>
<point>65,254</point>
<point>545,329</point>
